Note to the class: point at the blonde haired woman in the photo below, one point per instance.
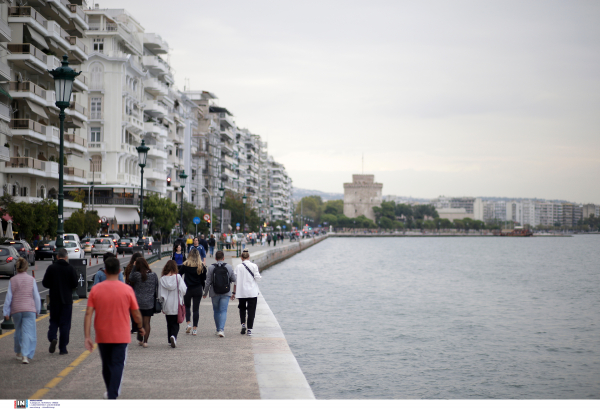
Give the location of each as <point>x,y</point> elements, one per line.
<point>23,304</point>
<point>193,271</point>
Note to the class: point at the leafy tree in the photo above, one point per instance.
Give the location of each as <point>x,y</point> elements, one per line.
<point>330,219</point>
<point>468,223</point>
<point>76,223</point>
<point>23,216</point>
<point>312,207</point>
<point>386,223</point>
<point>234,202</point>
<point>420,211</point>
<point>46,218</point>
<point>189,212</point>
<point>429,225</point>
<point>459,224</point>
<point>162,212</point>
<point>334,207</point>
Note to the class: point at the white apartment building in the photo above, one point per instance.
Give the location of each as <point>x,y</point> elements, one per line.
<point>35,35</point>
<point>473,206</point>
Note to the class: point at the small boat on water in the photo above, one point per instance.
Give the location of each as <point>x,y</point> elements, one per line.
<point>518,231</point>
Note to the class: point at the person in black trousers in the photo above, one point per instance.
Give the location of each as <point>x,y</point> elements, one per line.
<point>194,277</point>
<point>61,279</point>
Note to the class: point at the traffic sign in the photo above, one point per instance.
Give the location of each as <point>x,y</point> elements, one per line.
<point>196,220</point>
<point>237,225</point>
<point>206,217</point>
<point>104,219</point>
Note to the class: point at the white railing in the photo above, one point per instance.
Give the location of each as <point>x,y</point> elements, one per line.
<point>96,145</point>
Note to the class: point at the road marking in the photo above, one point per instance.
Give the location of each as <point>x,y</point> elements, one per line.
<point>37,320</point>
<point>43,391</point>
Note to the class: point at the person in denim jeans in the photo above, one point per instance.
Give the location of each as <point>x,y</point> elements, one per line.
<point>220,302</point>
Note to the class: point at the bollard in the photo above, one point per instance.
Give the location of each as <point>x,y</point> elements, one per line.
<point>43,309</point>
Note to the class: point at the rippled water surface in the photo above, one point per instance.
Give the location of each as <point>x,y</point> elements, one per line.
<point>443,318</point>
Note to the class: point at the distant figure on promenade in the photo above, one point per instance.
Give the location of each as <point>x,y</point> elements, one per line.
<point>253,238</point>
<point>171,291</point>
<point>128,270</point>
<point>181,240</point>
<point>101,276</point>
<point>274,239</point>
<point>211,244</point>
<point>219,277</point>
<point>194,276</point>
<point>244,242</point>
<point>204,243</point>
<point>246,290</point>
<point>144,283</point>
<point>189,241</point>
<point>112,301</point>
<point>61,279</point>
<point>23,304</point>
<point>196,245</point>
<point>178,255</point>
<point>269,238</point>
<point>263,239</point>
<point>228,241</point>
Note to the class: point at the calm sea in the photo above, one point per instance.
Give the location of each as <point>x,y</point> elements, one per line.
<point>443,318</point>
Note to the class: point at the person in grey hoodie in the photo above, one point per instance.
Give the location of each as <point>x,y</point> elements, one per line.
<point>171,290</point>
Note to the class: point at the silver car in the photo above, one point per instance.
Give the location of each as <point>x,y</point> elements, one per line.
<point>103,245</point>
<point>8,260</point>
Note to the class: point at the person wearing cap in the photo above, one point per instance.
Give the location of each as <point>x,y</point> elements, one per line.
<point>246,291</point>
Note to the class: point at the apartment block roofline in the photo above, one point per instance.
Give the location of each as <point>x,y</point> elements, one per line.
<point>219,109</point>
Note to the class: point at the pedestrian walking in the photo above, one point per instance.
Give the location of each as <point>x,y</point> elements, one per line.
<point>219,277</point>
<point>61,280</point>
<point>194,276</point>
<point>274,239</point>
<point>211,244</point>
<point>196,245</point>
<point>144,283</point>
<point>101,276</point>
<point>22,304</point>
<point>244,242</point>
<point>181,240</point>
<point>269,238</point>
<point>264,239</point>
<point>171,291</point>
<point>178,255</point>
<point>228,241</point>
<point>130,268</point>
<point>112,301</point>
<point>246,291</point>
<point>204,243</point>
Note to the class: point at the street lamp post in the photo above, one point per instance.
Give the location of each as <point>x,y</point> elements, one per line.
<point>183,177</point>
<point>63,85</point>
<point>211,218</point>
<point>142,156</point>
<point>91,196</point>
<point>222,194</point>
<point>244,198</point>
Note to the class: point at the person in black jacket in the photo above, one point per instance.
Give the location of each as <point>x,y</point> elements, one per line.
<point>61,279</point>
<point>211,244</point>
<point>193,271</point>
<point>204,243</point>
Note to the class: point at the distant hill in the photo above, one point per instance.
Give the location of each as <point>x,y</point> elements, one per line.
<point>300,193</point>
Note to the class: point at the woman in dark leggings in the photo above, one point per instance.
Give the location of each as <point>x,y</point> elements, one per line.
<point>194,277</point>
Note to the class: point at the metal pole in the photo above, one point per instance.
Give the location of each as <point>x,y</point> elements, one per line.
<point>244,225</point>
<point>181,223</point>
<point>93,184</point>
<point>141,241</point>
<point>211,212</point>
<point>60,230</point>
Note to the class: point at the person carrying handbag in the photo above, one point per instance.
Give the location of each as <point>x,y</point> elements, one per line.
<point>246,291</point>
<point>144,282</point>
<point>194,273</point>
<point>170,293</point>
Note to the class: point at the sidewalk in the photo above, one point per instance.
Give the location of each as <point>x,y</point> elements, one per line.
<point>201,367</point>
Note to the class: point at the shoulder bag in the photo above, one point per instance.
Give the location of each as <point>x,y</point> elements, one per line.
<point>180,307</point>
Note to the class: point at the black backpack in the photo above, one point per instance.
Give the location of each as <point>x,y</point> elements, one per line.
<point>220,280</point>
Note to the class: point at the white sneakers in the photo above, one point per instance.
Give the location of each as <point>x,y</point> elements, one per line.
<point>188,329</point>
<point>25,360</point>
<point>194,332</point>
<point>221,334</point>
<point>173,342</point>
<point>249,333</point>
<point>19,357</point>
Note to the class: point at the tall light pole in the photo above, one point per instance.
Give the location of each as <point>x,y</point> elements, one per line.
<point>244,198</point>
<point>183,177</point>
<point>93,182</point>
<point>259,215</point>
<point>222,194</point>
<point>211,218</point>
<point>142,156</point>
<point>63,85</point>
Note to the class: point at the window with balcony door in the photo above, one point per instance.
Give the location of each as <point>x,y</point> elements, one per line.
<point>97,76</point>
<point>95,134</point>
<point>96,107</point>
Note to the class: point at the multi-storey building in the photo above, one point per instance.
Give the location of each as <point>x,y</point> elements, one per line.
<point>473,206</point>
<point>544,214</point>
<point>37,34</point>
<point>589,210</point>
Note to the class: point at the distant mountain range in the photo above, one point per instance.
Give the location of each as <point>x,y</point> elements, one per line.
<point>300,193</point>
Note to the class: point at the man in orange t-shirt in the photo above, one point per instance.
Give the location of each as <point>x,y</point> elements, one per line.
<point>112,301</point>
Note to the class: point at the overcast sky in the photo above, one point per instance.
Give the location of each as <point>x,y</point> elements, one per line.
<point>451,98</point>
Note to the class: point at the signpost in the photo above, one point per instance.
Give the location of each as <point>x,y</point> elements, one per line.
<point>196,222</point>
<point>237,226</point>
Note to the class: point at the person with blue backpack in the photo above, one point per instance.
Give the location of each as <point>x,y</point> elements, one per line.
<point>219,277</point>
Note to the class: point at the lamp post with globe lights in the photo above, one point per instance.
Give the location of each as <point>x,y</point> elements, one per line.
<point>142,157</point>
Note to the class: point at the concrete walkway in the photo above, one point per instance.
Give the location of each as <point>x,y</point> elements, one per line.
<point>201,367</point>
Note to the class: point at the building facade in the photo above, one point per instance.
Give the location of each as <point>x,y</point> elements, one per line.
<point>361,196</point>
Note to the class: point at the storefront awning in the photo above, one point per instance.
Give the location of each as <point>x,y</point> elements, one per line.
<point>127,216</point>
<point>37,109</point>
<point>108,212</point>
<point>37,39</point>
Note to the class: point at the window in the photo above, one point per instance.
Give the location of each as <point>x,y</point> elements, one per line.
<point>99,45</point>
<point>96,108</point>
<point>97,76</point>
<point>95,134</point>
<point>96,163</point>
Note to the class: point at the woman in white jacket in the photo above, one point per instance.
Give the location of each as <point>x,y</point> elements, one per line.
<point>246,290</point>
<point>171,290</point>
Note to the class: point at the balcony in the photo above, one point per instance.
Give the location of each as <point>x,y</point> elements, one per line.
<point>4,72</point>
<point>96,146</point>
<point>156,108</point>
<point>156,65</point>
<point>28,15</point>
<point>28,127</point>
<point>155,87</point>
<point>155,43</point>
<point>109,27</point>
<point>81,83</point>
<point>97,177</point>
<point>72,174</point>
<point>5,32</point>
<point>79,16</point>
<point>154,128</point>
<point>154,174</point>
<point>75,142</point>
<point>77,111</point>
<point>134,124</point>
<point>30,91</point>
<point>31,166</point>
<point>226,118</point>
<point>157,152</point>
<point>4,112</point>
<point>27,56</point>
<point>58,34</point>
<point>4,154</point>
<point>227,134</point>
<point>78,48</point>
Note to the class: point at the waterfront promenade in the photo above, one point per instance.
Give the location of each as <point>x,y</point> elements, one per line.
<point>201,367</point>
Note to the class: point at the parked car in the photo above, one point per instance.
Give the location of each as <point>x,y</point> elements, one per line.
<point>45,249</point>
<point>24,250</point>
<point>125,246</point>
<point>74,249</point>
<point>103,245</point>
<point>8,260</point>
<point>88,244</point>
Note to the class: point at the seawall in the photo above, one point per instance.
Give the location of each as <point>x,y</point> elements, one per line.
<point>277,372</point>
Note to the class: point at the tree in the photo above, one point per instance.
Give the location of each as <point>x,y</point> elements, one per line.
<point>76,223</point>
<point>189,212</point>
<point>312,207</point>
<point>46,218</point>
<point>459,224</point>
<point>429,225</point>
<point>420,211</point>
<point>329,219</point>
<point>162,212</point>
<point>234,203</point>
<point>334,207</point>
<point>23,216</point>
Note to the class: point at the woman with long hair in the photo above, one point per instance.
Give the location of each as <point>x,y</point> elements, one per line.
<point>178,254</point>
<point>171,291</point>
<point>126,274</point>
<point>194,276</point>
<point>23,304</point>
<point>144,283</point>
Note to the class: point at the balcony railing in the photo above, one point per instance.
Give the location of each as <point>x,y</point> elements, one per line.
<point>74,172</point>
<point>75,9</point>
<point>54,27</point>
<point>27,86</point>
<point>78,108</point>
<point>116,201</point>
<point>28,124</point>
<point>24,163</point>
<point>27,49</point>
<point>25,11</point>
<point>77,42</point>
<point>69,137</point>
<point>95,115</point>
<point>105,27</point>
